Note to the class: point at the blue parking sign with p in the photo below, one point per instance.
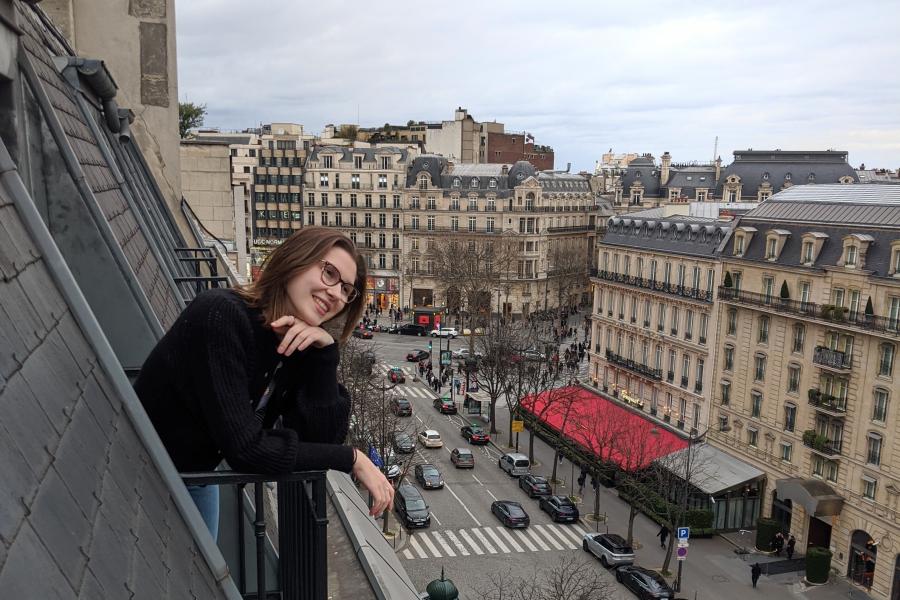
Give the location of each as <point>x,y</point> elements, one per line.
<point>684,533</point>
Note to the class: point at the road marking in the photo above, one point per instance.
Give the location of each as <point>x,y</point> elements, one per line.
<point>540,529</point>
<point>558,530</point>
<point>484,541</point>
<point>455,541</point>
<point>466,508</point>
<point>537,539</point>
<point>478,480</point>
<point>578,528</point>
<point>465,536</point>
<point>497,540</point>
<point>414,542</point>
<point>572,534</point>
<point>407,554</point>
<point>510,539</point>
<point>443,544</point>
<point>420,419</point>
<point>524,539</point>
<point>492,495</point>
<point>427,541</point>
<point>434,516</point>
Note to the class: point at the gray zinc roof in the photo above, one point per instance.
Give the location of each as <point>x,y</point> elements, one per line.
<point>682,235</point>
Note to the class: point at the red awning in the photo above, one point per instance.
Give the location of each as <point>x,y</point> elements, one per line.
<point>613,433</point>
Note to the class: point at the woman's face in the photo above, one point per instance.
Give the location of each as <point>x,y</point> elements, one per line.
<point>314,301</point>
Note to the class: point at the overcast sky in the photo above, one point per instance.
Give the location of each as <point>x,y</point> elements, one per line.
<point>583,77</point>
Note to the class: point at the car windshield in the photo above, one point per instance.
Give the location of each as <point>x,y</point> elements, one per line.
<point>430,472</point>
<point>415,504</point>
<point>540,480</point>
<point>434,436</point>
<point>514,510</point>
<point>402,438</point>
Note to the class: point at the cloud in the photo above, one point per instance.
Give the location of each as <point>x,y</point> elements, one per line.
<point>582,76</point>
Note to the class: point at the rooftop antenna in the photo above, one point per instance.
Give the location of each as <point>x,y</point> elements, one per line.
<point>716,149</point>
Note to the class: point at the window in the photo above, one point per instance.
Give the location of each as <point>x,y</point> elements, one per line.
<point>759,373</point>
<point>768,288</point>
<point>430,223</point>
<point>880,406</point>
<point>869,486</point>
<point>323,180</point>
<point>704,323</point>
<point>731,326</point>
<point>850,256</point>
<point>771,248</point>
<point>490,224</point>
<point>674,320</point>
<point>873,449</point>
<point>725,388</point>
<point>688,324</point>
<point>755,404</point>
<point>414,222</point>
<point>787,451</point>
<point>729,358</point>
<point>818,465</point>
<point>799,334</point>
<point>763,333</point>
<point>886,360</point>
<point>685,369</point>
<point>804,292</point>
<point>454,223</point>
<point>738,245</point>
<point>793,379</point>
<point>894,313</point>
<point>723,423</point>
<point>752,436</point>
<point>661,317</point>
<point>790,417</point>
<point>807,252</point>
<point>698,380</point>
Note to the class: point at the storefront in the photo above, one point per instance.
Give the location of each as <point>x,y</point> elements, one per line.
<point>382,292</point>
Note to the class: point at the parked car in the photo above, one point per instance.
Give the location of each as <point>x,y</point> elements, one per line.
<point>394,329</point>
<point>534,355</point>
<point>417,355</point>
<point>610,548</point>
<point>449,332</point>
<point>410,507</point>
<point>429,476</point>
<point>445,405</point>
<point>463,354</point>
<point>430,439</point>
<point>644,583</point>
<point>401,406</point>
<point>396,375</point>
<point>534,485</point>
<point>510,513</point>
<point>404,443</point>
<point>475,434</point>
<point>462,458</point>
<point>388,466</point>
<point>467,331</point>
<point>363,334</point>
<point>560,508</point>
<point>515,464</point>
<point>411,329</point>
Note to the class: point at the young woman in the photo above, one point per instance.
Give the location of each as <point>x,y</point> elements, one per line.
<point>248,375</point>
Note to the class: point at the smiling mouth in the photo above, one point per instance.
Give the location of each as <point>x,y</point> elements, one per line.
<point>321,306</point>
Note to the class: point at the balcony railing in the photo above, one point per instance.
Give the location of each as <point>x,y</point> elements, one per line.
<point>833,359</point>
<point>302,531</point>
<point>631,365</point>
<point>824,312</point>
<point>827,403</point>
<point>570,229</point>
<point>821,444</point>
<point>657,286</point>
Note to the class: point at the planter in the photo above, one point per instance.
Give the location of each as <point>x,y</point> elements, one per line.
<point>818,564</point>
<point>765,533</point>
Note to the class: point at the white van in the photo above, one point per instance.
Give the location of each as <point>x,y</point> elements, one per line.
<point>515,464</point>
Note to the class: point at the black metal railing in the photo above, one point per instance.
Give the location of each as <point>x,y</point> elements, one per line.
<point>824,312</point>
<point>835,359</point>
<point>827,402</point>
<point>634,366</point>
<point>198,257</point>
<point>657,286</point>
<point>302,531</point>
<point>821,444</point>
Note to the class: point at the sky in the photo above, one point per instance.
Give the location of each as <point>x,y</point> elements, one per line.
<point>583,77</point>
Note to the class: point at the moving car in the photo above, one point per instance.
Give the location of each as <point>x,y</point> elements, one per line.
<point>610,548</point>
<point>417,355</point>
<point>445,405</point>
<point>401,406</point>
<point>534,485</point>
<point>644,583</point>
<point>410,507</point>
<point>396,375</point>
<point>560,508</point>
<point>463,354</point>
<point>475,434</point>
<point>510,513</point>
<point>429,476</point>
<point>362,333</point>
<point>430,439</point>
<point>449,332</point>
<point>462,458</point>
<point>515,464</point>
<point>411,329</point>
<point>534,355</point>
<point>404,443</point>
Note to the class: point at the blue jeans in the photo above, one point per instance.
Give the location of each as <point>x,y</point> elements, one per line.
<point>206,497</point>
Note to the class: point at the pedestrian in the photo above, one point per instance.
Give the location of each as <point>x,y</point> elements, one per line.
<point>790,546</point>
<point>663,534</point>
<point>778,543</point>
<point>237,361</point>
<point>755,572</point>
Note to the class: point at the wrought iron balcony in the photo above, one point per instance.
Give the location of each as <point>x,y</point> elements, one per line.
<point>832,359</point>
<point>821,444</point>
<point>657,286</point>
<point>832,405</point>
<point>631,365</point>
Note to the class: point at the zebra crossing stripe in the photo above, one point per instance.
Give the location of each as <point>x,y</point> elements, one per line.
<point>580,531</point>
<point>414,542</point>
<point>443,544</point>
<point>465,536</point>
<point>511,541</point>
<point>455,541</point>
<point>573,534</point>
<point>550,538</point>
<point>524,539</point>
<point>483,540</point>
<point>497,540</point>
<point>431,547</point>
<point>559,531</point>
<point>407,554</point>
<point>537,539</point>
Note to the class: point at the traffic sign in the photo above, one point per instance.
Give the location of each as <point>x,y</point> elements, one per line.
<point>681,553</point>
<point>518,426</point>
<point>684,533</point>
<point>683,543</point>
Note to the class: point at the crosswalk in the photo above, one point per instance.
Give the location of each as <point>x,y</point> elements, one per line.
<point>419,390</point>
<point>451,543</point>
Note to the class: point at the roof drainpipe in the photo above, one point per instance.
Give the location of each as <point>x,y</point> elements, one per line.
<point>100,82</point>
<point>126,118</point>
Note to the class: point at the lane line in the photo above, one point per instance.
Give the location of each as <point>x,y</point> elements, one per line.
<point>475,548</point>
<point>510,539</point>
<point>444,545</point>
<point>434,516</point>
<point>483,540</point>
<point>558,531</point>
<point>420,419</point>
<point>407,554</point>
<point>524,539</point>
<point>414,542</point>
<point>492,495</point>
<point>540,529</point>
<point>478,480</point>
<point>455,541</point>
<point>537,539</point>
<point>427,541</point>
<point>466,508</point>
<point>497,540</point>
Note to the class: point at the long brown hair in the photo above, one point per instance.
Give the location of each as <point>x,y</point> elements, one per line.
<point>297,253</point>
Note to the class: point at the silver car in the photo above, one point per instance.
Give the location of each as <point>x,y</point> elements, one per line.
<point>610,548</point>
<point>514,464</point>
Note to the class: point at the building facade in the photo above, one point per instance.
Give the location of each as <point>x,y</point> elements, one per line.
<point>805,381</point>
<point>510,147</point>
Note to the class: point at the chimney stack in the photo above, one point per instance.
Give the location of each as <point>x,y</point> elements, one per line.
<point>666,163</point>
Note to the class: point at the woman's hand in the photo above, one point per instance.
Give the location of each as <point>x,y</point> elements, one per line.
<point>379,487</point>
<point>297,334</point>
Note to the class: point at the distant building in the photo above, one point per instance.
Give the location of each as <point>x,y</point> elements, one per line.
<point>878,175</point>
<point>510,147</point>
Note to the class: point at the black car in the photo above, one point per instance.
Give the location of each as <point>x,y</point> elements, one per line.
<point>445,406</point>
<point>401,407</point>
<point>510,513</point>
<point>475,434</point>
<point>429,477</point>
<point>410,507</point>
<point>404,443</point>
<point>644,583</point>
<point>534,485</point>
<point>417,355</point>
<point>364,334</point>
<point>560,508</point>
<point>411,329</point>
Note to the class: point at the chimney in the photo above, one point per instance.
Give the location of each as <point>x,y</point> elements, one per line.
<point>718,167</point>
<point>505,170</point>
<point>568,167</point>
<point>665,163</point>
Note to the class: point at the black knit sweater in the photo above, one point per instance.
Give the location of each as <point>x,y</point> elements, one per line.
<point>200,383</point>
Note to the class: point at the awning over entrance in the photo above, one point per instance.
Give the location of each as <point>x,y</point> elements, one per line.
<point>712,471</point>
<point>817,497</point>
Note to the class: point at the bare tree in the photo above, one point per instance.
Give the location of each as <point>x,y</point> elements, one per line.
<point>567,269</point>
<point>567,579</point>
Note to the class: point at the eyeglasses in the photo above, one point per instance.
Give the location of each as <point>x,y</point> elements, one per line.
<point>331,276</point>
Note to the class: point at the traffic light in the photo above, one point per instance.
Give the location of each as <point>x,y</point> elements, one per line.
<point>429,345</point>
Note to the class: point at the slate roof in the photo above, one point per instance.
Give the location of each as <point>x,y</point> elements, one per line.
<point>694,236</point>
<point>347,153</point>
<point>792,167</point>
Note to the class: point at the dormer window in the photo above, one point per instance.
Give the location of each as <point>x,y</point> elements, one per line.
<point>456,182</point>
<point>492,183</point>
<point>766,176</point>
<point>423,182</point>
<point>772,248</point>
<point>739,245</point>
<point>811,178</point>
<point>807,253</point>
<point>853,255</point>
<point>474,183</point>
<point>787,176</point>
<point>895,259</point>
<point>850,256</point>
<point>775,240</point>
